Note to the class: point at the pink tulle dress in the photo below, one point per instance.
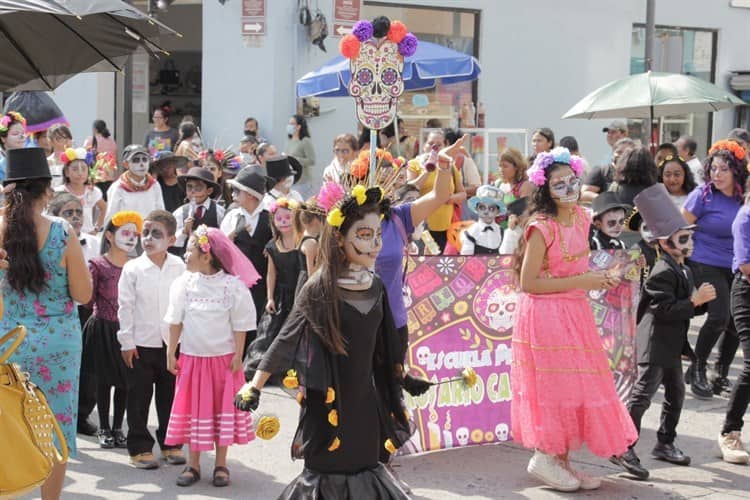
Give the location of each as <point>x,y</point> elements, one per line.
<point>563,390</point>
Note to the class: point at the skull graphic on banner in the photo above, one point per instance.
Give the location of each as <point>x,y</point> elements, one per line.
<point>377,82</point>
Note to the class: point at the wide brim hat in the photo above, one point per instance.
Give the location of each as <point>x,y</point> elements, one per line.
<point>200,174</point>
<point>38,108</point>
<point>163,156</point>
<point>489,195</point>
<point>26,164</point>
<point>279,167</point>
<point>659,212</point>
<point>250,181</point>
<point>519,206</point>
<point>607,201</point>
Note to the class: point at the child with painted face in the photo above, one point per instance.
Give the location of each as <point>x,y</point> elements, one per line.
<point>668,303</point>
<point>143,296</point>
<point>348,364</point>
<point>102,357</point>
<point>560,376</point>
<point>136,190</point>
<point>76,181</point>
<point>484,237</point>
<point>609,221</point>
<point>201,209</point>
<point>281,178</point>
<point>68,206</point>
<point>249,227</point>
<point>284,267</point>
<point>210,309</point>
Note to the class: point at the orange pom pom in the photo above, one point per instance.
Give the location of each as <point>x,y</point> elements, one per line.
<point>349,46</point>
<point>397,32</point>
<point>359,168</point>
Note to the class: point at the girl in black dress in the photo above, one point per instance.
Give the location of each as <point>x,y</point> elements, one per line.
<point>281,281</point>
<point>342,343</point>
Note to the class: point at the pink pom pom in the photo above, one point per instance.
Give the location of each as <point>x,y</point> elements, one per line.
<point>330,194</point>
<point>576,164</point>
<point>349,46</point>
<point>397,32</point>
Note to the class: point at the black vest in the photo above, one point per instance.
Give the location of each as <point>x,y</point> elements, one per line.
<point>254,246</point>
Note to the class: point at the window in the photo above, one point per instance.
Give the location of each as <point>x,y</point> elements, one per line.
<point>676,50</point>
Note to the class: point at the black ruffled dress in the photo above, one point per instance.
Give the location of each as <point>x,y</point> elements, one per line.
<point>353,403</point>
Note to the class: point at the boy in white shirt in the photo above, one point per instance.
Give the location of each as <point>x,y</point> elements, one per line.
<point>143,299</point>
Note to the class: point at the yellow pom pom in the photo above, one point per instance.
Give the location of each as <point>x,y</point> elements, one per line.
<point>360,194</point>
<point>330,396</point>
<point>414,166</point>
<point>333,418</point>
<point>335,445</point>
<point>126,217</point>
<point>335,218</point>
<point>389,446</point>
<point>469,376</point>
<point>291,381</point>
<point>268,427</point>
<point>70,154</point>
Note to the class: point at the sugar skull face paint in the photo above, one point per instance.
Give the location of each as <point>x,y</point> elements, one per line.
<point>487,212</point>
<point>73,213</point>
<point>138,164</point>
<point>126,237</point>
<point>155,238</point>
<point>566,189</point>
<point>612,223</point>
<point>282,219</point>
<point>363,241</point>
<point>680,244</point>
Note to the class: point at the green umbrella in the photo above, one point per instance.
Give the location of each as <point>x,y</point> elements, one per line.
<point>653,94</point>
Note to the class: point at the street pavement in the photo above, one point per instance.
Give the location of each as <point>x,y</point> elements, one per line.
<point>261,469</point>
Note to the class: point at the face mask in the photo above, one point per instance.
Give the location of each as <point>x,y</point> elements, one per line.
<point>139,168</point>
<point>250,132</point>
<point>288,182</point>
<point>126,238</point>
<point>290,129</point>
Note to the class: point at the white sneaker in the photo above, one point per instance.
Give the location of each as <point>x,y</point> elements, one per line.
<point>732,450</point>
<point>550,471</point>
<point>587,482</point>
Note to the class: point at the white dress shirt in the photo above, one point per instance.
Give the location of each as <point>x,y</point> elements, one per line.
<point>143,202</point>
<point>143,297</point>
<point>491,238</point>
<point>229,223</point>
<point>90,245</point>
<point>275,194</point>
<point>696,167</point>
<point>210,308</point>
<point>182,213</point>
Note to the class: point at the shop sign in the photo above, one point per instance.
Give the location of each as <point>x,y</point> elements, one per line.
<point>345,14</point>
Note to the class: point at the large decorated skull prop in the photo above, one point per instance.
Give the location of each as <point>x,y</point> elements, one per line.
<point>376,82</point>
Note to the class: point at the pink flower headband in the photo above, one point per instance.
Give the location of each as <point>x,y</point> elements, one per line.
<point>537,172</point>
<point>234,262</point>
<point>7,120</point>
<point>202,234</point>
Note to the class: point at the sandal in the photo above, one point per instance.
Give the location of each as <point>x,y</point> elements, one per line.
<point>222,480</point>
<point>188,477</point>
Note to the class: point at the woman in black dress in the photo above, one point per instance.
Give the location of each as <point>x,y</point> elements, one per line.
<point>341,340</point>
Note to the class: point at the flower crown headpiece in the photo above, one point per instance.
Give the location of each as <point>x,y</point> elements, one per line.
<point>336,204</point>
<point>669,158</point>
<point>9,119</point>
<point>221,156</point>
<point>128,217</point>
<point>537,173</point>
<point>380,27</point>
<point>72,154</point>
<point>283,203</point>
<point>731,146</point>
<point>103,168</point>
<point>202,234</point>
<point>387,168</point>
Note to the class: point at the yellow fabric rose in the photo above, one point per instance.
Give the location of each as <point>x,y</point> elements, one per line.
<point>389,446</point>
<point>330,396</point>
<point>360,194</point>
<point>335,445</point>
<point>333,418</point>
<point>335,218</point>
<point>290,381</point>
<point>268,427</point>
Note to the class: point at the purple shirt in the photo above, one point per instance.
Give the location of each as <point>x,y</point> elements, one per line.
<point>714,214</point>
<point>390,262</point>
<point>741,233</point>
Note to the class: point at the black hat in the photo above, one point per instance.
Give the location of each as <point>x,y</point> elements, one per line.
<point>250,181</point>
<point>200,174</point>
<point>38,108</point>
<point>25,164</point>
<point>518,207</point>
<point>164,156</point>
<point>607,201</point>
<point>278,168</point>
<point>297,167</point>
<point>659,212</point>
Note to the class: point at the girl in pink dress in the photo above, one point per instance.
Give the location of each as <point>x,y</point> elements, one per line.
<point>563,391</point>
<point>210,309</point>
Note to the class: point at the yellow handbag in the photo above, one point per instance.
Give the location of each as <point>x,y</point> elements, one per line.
<point>27,427</point>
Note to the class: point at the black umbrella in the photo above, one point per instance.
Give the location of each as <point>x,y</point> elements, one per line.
<point>45,42</point>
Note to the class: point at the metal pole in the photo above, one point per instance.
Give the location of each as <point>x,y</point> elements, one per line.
<point>397,135</point>
<point>650,30</point>
<point>373,159</point>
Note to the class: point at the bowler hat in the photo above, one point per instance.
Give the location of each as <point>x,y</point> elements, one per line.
<point>249,181</point>
<point>278,168</point>
<point>489,195</point>
<point>659,212</point>
<point>203,175</point>
<point>25,164</point>
<point>607,201</point>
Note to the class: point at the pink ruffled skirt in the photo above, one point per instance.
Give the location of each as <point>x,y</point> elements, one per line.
<point>203,413</point>
<point>563,389</point>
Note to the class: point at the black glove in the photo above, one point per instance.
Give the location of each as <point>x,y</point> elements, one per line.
<point>247,399</point>
<point>415,386</point>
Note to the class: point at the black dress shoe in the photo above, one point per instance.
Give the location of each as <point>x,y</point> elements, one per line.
<point>670,453</point>
<point>121,441</point>
<point>105,439</point>
<point>86,428</point>
<point>722,386</point>
<point>631,463</point>
<point>690,374</point>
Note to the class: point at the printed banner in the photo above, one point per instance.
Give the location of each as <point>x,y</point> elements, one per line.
<point>460,313</point>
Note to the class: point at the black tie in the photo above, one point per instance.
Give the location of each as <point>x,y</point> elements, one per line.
<point>487,228</point>
<point>83,242</point>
